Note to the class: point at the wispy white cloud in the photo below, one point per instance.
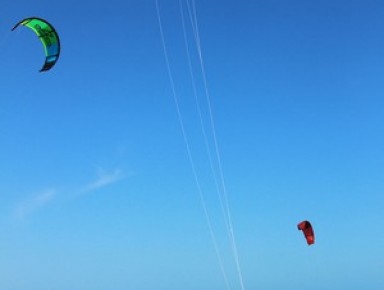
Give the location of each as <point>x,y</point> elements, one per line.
<point>104,178</point>
<point>41,199</point>
<point>34,203</point>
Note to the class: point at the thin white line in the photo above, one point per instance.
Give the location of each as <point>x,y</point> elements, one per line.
<point>176,101</point>
<point>201,119</point>
<point>225,195</point>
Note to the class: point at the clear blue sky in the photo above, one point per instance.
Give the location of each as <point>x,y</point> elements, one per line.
<point>96,190</point>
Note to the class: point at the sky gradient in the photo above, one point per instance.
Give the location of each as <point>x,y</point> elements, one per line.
<point>96,188</point>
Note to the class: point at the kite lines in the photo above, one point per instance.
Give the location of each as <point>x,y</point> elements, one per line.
<point>188,15</point>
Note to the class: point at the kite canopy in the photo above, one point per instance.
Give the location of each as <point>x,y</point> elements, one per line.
<point>309,235</point>
<point>48,37</point>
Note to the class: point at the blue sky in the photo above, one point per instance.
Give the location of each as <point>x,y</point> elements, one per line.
<point>97,190</point>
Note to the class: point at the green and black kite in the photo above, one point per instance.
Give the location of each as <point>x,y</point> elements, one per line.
<point>48,36</point>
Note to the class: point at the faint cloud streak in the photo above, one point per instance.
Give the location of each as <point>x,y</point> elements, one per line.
<point>31,205</point>
<point>40,200</point>
<point>104,178</point>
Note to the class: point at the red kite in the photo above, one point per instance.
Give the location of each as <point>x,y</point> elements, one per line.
<point>309,235</point>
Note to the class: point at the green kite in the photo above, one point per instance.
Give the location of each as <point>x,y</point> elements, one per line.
<point>48,37</point>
